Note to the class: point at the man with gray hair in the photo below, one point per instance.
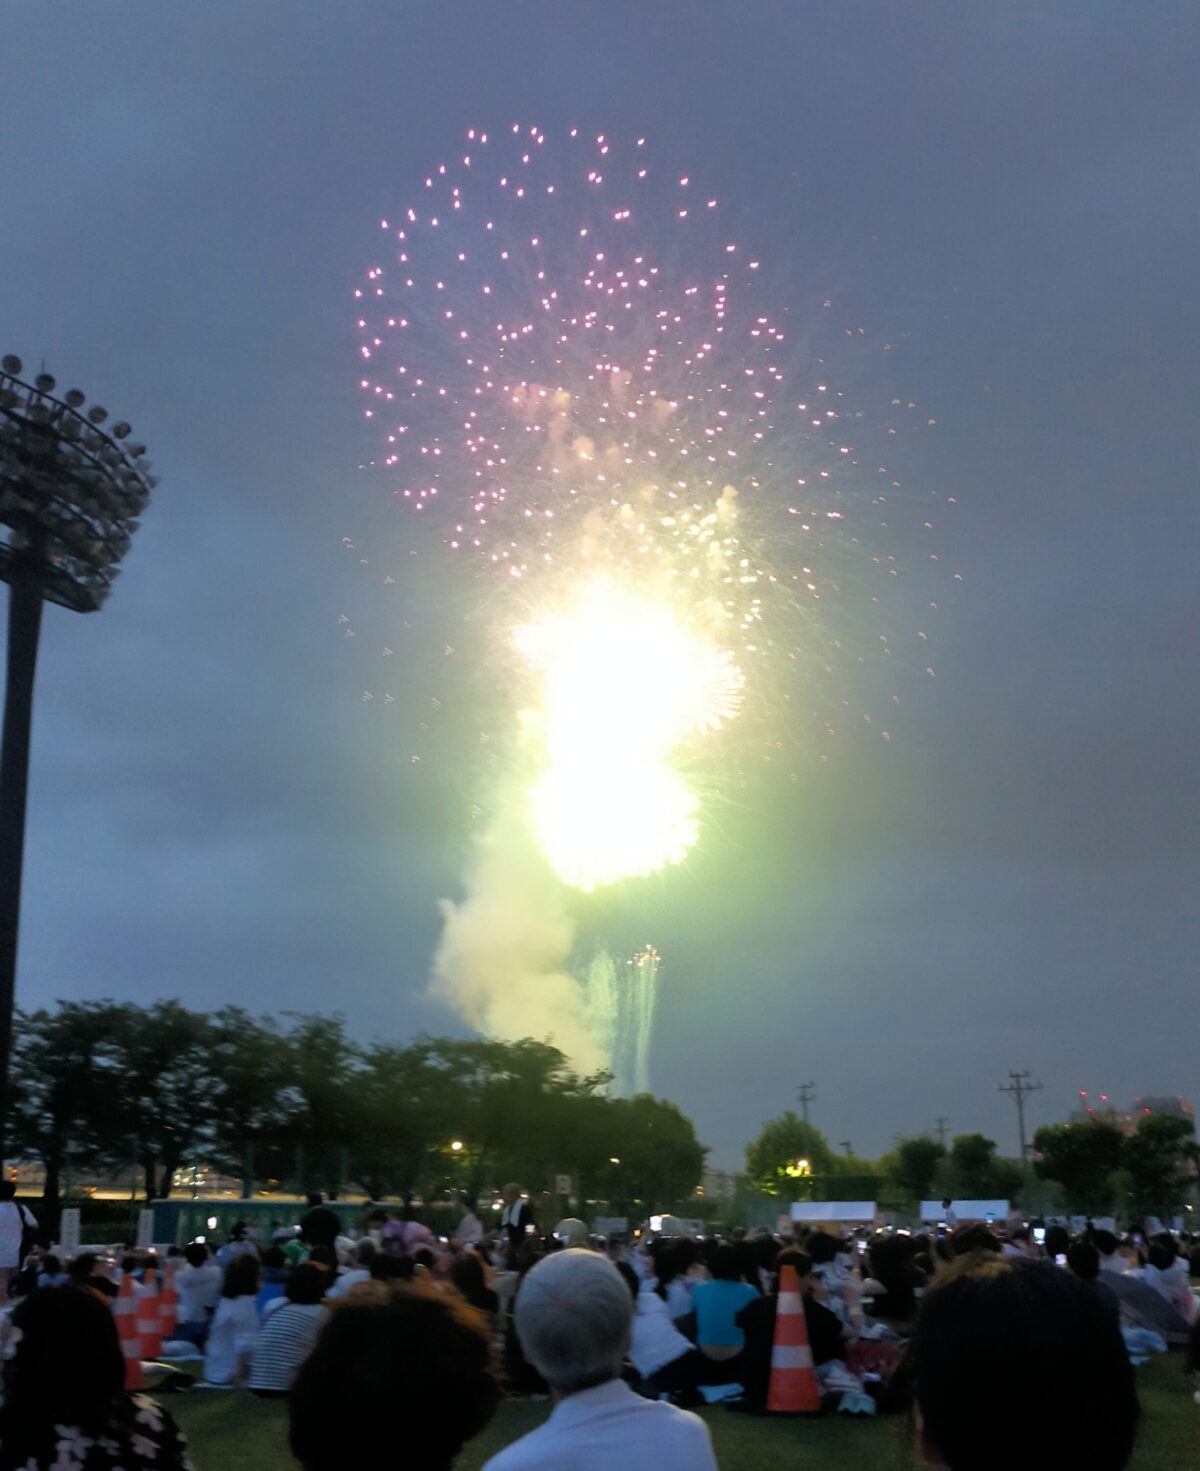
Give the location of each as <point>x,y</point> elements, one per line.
<point>574,1317</point>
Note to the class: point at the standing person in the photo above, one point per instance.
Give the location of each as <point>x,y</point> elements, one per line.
<point>320,1226</point>
<point>949,1215</point>
<point>234,1327</point>
<point>574,1316</point>
<point>516,1218</point>
<point>64,1393</point>
<point>17,1223</point>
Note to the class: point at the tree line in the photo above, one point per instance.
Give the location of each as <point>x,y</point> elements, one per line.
<point>292,1101</point>
<point>1093,1167</point>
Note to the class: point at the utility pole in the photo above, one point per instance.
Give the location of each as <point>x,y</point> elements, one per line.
<point>806,1093</point>
<point>846,1147</point>
<point>941,1123</point>
<point>1019,1088</point>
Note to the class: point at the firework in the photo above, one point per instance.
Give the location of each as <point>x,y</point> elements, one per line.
<point>575,371</point>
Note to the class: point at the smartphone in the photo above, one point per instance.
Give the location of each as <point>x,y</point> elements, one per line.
<point>1039,1234</point>
<point>1061,1259</point>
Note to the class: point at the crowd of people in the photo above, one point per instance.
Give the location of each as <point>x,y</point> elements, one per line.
<point>1008,1347</point>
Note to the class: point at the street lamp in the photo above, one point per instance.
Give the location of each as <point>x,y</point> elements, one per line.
<point>70,496</point>
<point>456,1145</point>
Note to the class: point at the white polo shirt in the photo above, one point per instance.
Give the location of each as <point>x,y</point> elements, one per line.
<point>610,1428</point>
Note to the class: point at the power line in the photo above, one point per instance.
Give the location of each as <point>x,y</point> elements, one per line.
<point>806,1093</point>
<point>1019,1088</point>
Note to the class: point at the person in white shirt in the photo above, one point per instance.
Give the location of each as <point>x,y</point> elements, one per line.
<point>15,1220</point>
<point>574,1317</point>
<point>198,1283</point>
<point>949,1215</point>
<point>235,1326</point>
<point>469,1231</point>
<point>358,1272</point>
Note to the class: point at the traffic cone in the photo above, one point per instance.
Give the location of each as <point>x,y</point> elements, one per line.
<point>793,1385</point>
<point>168,1305</point>
<point>149,1327</point>
<point>125,1308</point>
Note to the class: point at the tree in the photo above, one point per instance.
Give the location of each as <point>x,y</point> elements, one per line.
<point>1082,1158</point>
<point>248,1101</point>
<point>774,1160</point>
<point>1160,1159</point>
<point>55,1090</point>
<point>913,1164</point>
<point>154,1066</point>
<point>320,1099</point>
<point>661,1160</point>
<point>972,1171</point>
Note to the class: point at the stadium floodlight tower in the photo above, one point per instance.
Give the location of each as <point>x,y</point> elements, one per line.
<point>71,493</point>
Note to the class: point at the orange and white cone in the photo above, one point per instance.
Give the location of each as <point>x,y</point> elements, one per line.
<point>149,1328</point>
<point>793,1385</point>
<point>125,1308</point>
<point>168,1305</point>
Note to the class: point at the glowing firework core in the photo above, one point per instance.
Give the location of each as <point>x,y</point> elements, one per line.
<point>624,684</point>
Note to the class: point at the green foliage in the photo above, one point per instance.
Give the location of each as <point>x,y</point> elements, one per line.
<point>780,1145</point>
<point>913,1164</point>
<point>296,1100</point>
<point>1160,1159</point>
<point>1098,1166</point>
<point>1082,1158</point>
<point>973,1171</point>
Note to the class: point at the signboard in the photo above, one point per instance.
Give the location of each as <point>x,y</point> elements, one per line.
<point>145,1230</point>
<point>562,1184</point>
<point>832,1212</point>
<point>966,1210</point>
<point>610,1225</point>
<point>68,1229</point>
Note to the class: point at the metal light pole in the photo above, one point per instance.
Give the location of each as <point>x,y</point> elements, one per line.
<point>70,496</point>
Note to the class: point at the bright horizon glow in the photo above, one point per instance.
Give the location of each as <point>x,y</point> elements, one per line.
<point>624,683</point>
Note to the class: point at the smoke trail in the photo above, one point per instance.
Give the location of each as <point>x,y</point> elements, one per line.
<point>501,960</point>
<point>621,1001</point>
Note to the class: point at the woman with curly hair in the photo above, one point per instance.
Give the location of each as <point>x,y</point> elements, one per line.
<point>407,1373</point>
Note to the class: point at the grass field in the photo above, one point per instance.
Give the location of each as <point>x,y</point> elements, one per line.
<point>233,1431</point>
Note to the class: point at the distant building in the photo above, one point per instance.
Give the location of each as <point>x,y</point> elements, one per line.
<point>1100,1106</point>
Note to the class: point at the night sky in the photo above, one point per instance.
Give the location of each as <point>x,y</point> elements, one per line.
<point>1007,193</point>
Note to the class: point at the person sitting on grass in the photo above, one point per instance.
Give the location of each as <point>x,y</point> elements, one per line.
<point>573,1317</point>
<point>468,1275</point>
<point>289,1330</point>
<point>234,1327</point>
<point>1084,1260</point>
<point>666,1361</point>
<point>717,1304</point>
<point>757,1321</point>
<point>65,1404</point>
<point>399,1376</point>
<point>1020,1364</point>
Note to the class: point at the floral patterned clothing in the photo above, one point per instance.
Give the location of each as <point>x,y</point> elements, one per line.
<point>139,1437</point>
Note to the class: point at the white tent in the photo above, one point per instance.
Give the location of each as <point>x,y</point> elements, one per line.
<point>966,1210</point>
<point>833,1212</point>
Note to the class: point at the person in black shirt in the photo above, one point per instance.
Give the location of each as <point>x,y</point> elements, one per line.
<point>757,1322</point>
<point>320,1227</point>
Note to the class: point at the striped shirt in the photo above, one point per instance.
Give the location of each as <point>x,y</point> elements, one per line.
<point>284,1342</point>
